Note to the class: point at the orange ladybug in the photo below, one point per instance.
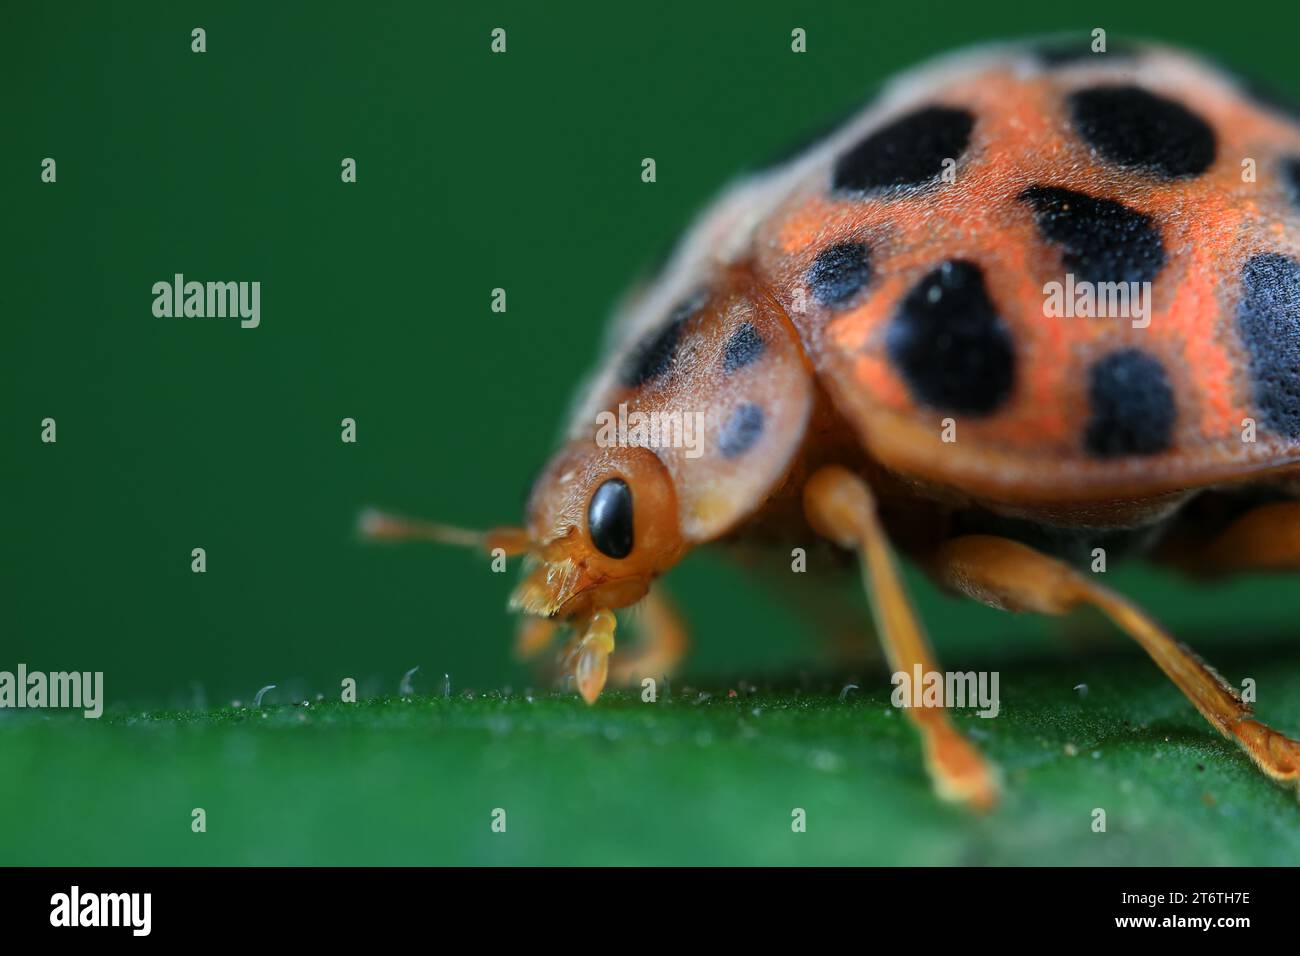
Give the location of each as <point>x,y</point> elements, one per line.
<point>1027,304</point>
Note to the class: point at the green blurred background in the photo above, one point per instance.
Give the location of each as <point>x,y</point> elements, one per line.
<point>474,171</point>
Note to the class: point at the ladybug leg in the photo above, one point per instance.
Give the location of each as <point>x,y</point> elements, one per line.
<point>594,645</point>
<point>585,655</point>
<point>662,641</point>
<point>533,635</point>
<point>840,506</point>
<point>1008,575</point>
<point>1266,538</point>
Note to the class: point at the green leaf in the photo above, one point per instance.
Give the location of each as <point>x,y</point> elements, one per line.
<point>696,777</point>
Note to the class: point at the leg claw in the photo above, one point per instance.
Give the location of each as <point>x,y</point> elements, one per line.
<point>960,773</point>
<point>1274,753</point>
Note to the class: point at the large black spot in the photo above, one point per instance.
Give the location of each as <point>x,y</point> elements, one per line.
<point>949,343</point>
<point>1101,240</point>
<point>1132,406</point>
<point>907,152</point>
<point>652,356</point>
<point>1268,319</point>
<point>744,346</point>
<point>838,273</point>
<point>742,428</point>
<point>1291,179</point>
<point>1139,130</point>
<point>609,518</point>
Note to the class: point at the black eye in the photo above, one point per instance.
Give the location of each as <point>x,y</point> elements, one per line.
<point>609,518</point>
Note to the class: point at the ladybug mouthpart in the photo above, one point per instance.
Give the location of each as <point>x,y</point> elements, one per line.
<point>568,589</point>
<point>546,589</point>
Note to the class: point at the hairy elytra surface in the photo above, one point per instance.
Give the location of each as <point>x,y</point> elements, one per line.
<point>858,278</point>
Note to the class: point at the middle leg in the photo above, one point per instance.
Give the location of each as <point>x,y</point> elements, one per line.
<point>842,508</point>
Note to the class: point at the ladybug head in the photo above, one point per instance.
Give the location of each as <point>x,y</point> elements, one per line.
<point>602,524</point>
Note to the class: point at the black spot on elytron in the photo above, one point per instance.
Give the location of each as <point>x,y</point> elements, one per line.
<point>1101,240</point>
<point>609,518</point>
<point>1268,319</point>
<point>1132,406</point>
<point>744,347</point>
<point>838,273</point>
<point>742,428</point>
<point>1058,53</point>
<point>907,152</point>
<point>651,357</point>
<point>1291,178</point>
<point>1136,129</point>
<point>949,343</point>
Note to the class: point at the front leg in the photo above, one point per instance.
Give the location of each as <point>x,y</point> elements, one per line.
<point>594,644</point>
<point>840,507</point>
<point>662,641</point>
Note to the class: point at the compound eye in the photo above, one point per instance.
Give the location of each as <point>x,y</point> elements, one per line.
<point>609,518</point>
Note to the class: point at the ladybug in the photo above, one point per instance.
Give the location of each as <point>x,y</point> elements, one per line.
<point>887,350</point>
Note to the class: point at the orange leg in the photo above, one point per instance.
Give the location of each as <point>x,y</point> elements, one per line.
<point>533,635</point>
<point>1011,576</point>
<point>662,641</point>
<point>661,644</point>
<point>840,507</point>
<point>590,654</point>
<point>1266,538</point>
